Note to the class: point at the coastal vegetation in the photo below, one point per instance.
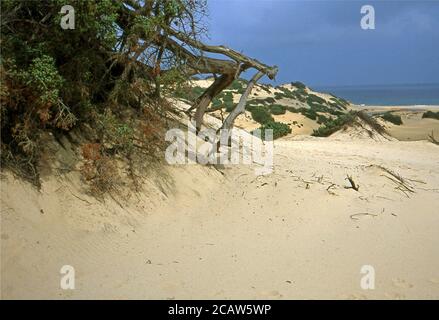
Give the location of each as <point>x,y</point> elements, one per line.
<point>431,115</point>
<point>393,118</point>
<point>106,80</point>
<point>279,129</point>
<point>346,120</point>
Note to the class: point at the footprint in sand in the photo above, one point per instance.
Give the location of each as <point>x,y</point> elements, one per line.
<point>401,283</point>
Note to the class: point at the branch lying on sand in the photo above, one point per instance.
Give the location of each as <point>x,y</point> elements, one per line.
<point>332,185</point>
<point>352,182</point>
<point>432,139</point>
<point>355,216</point>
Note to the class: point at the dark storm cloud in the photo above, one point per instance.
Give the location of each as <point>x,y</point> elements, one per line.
<point>321,42</point>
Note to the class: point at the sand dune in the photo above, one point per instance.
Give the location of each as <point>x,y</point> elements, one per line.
<point>226,233</point>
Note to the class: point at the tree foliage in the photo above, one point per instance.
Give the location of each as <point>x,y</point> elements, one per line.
<point>56,80</point>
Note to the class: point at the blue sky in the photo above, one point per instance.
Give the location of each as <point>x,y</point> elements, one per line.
<point>322,44</point>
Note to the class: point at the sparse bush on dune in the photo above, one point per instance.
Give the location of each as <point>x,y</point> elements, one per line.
<point>279,129</point>
<point>277,109</point>
<point>298,84</point>
<point>334,125</point>
<point>237,85</point>
<point>393,118</point>
<point>431,115</point>
<point>348,119</point>
<point>371,121</point>
<point>270,100</point>
<point>309,113</point>
<point>260,114</point>
<point>313,99</point>
<point>321,119</point>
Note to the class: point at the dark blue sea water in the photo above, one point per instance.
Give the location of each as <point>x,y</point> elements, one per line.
<point>387,95</point>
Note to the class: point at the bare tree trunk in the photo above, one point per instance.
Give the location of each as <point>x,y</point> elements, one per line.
<point>203,102</point>
<point>184,46</point>
<point>240,108</point>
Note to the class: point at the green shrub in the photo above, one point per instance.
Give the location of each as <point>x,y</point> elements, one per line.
<point>393,118</point>
<point>279,95</point>
<point>277,109</point>
<point>270,100</point>
<point>313,99</point>
<point>230,106</point>
<point>347,119</point>
<point>259,101</point>
<point>431,115</point>
<point>228,96</point>
<point>334,125</point>
<point>261,115</point>
<point>300,95</point>
<point>216,103</point>
<point>371,121</point>
<point>321,119</point>
<point>293,110</point>
<point>298,84</point>
<point>279,129</point>
<point>237,85</point>
<point>309,113</point>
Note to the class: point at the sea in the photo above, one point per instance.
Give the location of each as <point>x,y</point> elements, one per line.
<point>387,95</point>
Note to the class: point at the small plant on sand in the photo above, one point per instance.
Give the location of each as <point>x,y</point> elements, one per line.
<point>279,129</point>
<point>393,118</point>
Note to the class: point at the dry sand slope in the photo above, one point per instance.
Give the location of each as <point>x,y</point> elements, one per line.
<point>296,233</point>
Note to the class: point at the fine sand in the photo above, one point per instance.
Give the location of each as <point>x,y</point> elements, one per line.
<point>413,127</point>
<point>213,233</point>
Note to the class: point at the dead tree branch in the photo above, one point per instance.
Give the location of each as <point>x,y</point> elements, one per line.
<point>183,45</point>
<point>352,182</point>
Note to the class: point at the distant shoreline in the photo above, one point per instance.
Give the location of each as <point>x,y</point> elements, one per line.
<point>391,95</point>
<point>413,108</point>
